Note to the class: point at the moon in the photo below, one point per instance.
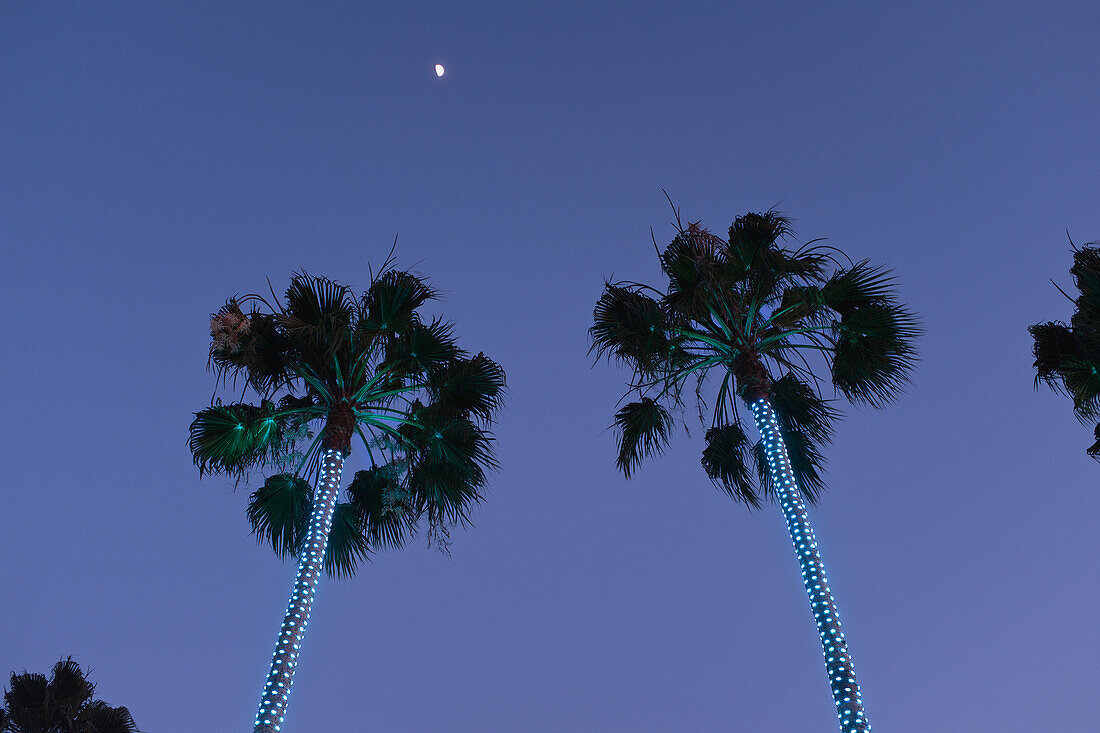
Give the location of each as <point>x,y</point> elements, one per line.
<point>439,70</point>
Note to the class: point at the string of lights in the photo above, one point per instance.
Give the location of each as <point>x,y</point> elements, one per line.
<point>838,663</point>
<point>272,711</point>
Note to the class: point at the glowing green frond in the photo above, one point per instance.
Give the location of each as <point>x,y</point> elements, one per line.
<point>234,438</point>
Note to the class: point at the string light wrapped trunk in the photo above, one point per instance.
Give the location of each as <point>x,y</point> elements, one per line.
<point>272,711</point>
<point>838,663</point>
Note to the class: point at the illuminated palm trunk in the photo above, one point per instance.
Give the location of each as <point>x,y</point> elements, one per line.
<point>838,664</point>
<point>310,565</point>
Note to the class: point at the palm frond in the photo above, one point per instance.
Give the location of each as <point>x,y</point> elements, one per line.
<point>279,513</point>
<point>874,355</point>
<point>1055,346</point>
<point>385,508</point>
<point>644,429</point>
<point>1093,450</point>
<point>316,318</point>
<point>725,460</point>
<point>70,690</point>
<point>631,326</point>
<point>694,262</point>
<point>99,717</point>
<point>799,405</point>
<point>1082,380</point>
<point>753,232</point>
<point>1086,275</point>
<point>269,362</point>
<point>234,438</point>
<point>28,701</point>
<point>858,286</point>
<point>447,468</point>
<point>754,250</point>
<point>469,387</point>
<point>421,349</point>
<point>347,545</point>
<point>390,303</point>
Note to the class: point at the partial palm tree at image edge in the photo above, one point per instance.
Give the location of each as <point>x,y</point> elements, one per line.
<point>365,367</point>
<point>64,702</point>
<point>1067,357</point>
<point>732,307</point>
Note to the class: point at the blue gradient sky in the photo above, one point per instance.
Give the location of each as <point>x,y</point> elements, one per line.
<point>155,160</point>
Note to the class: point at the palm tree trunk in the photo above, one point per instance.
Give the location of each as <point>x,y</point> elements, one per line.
<point>838,664</point>
<point>310,565</point>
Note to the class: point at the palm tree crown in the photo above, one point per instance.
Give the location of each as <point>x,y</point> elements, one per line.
<point>749,308</point>
<point>1067,358</point>
<point>366,367</point>
<point>60,703</point>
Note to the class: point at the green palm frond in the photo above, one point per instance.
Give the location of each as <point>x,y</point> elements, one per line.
<point>469,387</point>
<point>799,306</point>
<point>448,464</point>
<point>725,460</point>
<point>631,326</point>
<point>279,513</point>
<point>347,545</point>
<point>390,303</point>
<point>99,717</point>
<point>644,429</point>
<point>234,438</point>
<point>422,349</point>
<point>385,508</point>
<point>874,354</point>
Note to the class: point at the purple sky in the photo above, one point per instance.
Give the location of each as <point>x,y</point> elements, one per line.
<point>154,161</point>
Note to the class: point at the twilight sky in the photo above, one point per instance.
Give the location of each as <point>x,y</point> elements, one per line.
<point>156,160</point>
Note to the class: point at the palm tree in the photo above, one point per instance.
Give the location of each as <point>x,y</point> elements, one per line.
<point>1067,358</point>
<point>60,704</point>
<point>366,367</point>
<point>749,311</point>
